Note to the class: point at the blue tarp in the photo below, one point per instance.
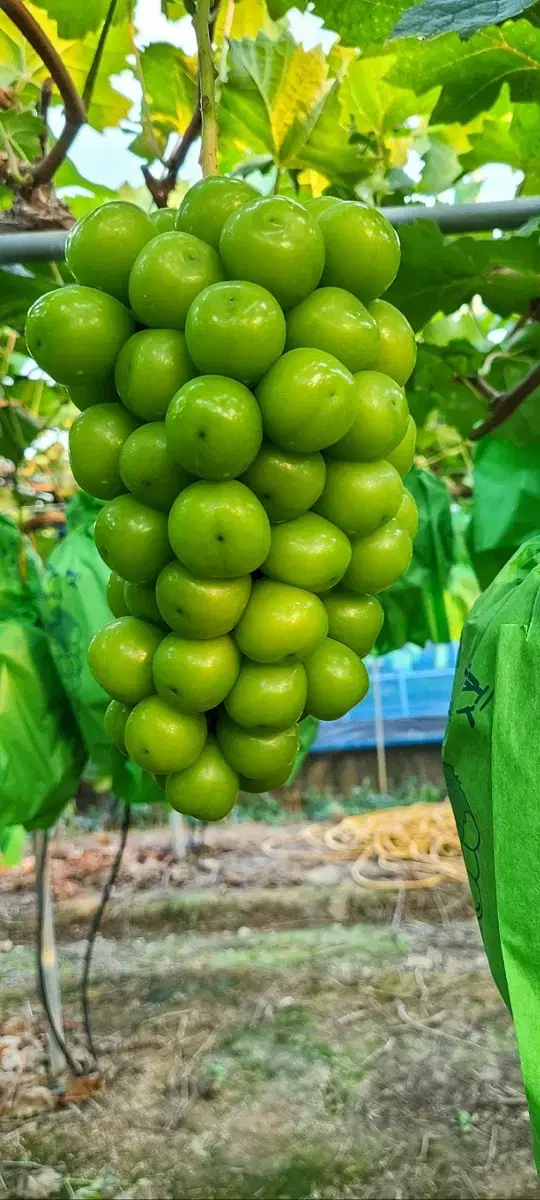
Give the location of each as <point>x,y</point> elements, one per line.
<point>415,687</point>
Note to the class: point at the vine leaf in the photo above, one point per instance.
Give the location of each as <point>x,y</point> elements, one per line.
<point>471,74</point>
<point>282,101</point>
<point>433,17</point>
<point>439,275</point>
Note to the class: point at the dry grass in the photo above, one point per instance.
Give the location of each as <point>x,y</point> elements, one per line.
<point>348,1062</point>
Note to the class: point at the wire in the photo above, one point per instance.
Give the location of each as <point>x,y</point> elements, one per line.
<point>94,928</point>
<point>41,860</point>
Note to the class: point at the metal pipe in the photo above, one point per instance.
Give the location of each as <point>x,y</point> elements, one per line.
<point>469,218</point>
<point>451,218</point>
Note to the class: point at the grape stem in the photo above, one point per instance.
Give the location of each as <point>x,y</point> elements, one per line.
<point>207,91</point>
<point>506,404</point>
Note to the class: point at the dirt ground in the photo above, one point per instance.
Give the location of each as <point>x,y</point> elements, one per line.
<point>266,1029</point>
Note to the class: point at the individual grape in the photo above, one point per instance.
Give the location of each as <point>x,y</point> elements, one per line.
<point>360,496</point>
<point>307,400</point>
<point>160,739</point>
<point>257,752</point>
<point>208,204</point>
<point>97,391</point>
<point>402,458</point>
<point>268,694</point>
<point>114,724</point>
<point>334,320</point>
<point>207,789</point>
<point>96,439</point>
<point>235,328</point>
<point>102,247</point>
<point>219,530</point>
<point>149,471</point>
<point>163,220</point>
<point>140,600</point>
<point>407,514</point>
<point>280,622</point>
<point>267,784</point>
<point>166,277</point>
<point>396,354</point>
<point>132,539</point>
<point>362,250</point>
<point>354,620</point>
<point>274,242</point>
<point>380,419</point>
<point>150,368</point>
<point>200,608</point>
<point>75,333</point>
<point>308,552</point>
<point>194,675</point>
<point>214,427</point>
<point>120,658</point>
<point>287,484</point>
<point>379,559</point>
<point>336,680</point>
<point>115,595</point>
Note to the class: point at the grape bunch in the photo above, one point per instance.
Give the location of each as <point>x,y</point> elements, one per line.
<point>243,418</point>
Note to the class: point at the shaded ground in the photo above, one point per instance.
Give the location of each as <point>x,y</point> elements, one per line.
<point>350,1061</point>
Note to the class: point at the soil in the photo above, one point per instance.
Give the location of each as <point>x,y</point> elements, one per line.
<point>263,1032</point>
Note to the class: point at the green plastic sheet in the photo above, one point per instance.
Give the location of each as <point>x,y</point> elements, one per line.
<point>491,759</point>
<point>74,607</point>
<point>41,753</point>
<point>506,507</point>
<point>414,608</point>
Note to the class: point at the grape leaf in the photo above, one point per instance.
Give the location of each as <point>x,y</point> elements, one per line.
<point>18,428</point>
<point>22,69</point>
<point>472,73</point>
<point>82,195</point>
<point>441,167</point>
<point>18,290</point>
<point>511,137</point>
<point>169,81</point>
<point>280,100</point>
<point>20,133</point>
<point>330,151</point>
<point>173,9</point>
<point>438,274</point>
<point>249,17</point>
<point>272,96</point>
<point>438,383</point>
<point>433,17</point>
<point>361,23</point>
<point>374,104</point>
<point>75,20</point>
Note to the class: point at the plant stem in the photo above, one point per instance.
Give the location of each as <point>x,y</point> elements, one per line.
<point>206,70</point>
<point>98,55</point>
<point>507,403</point>
<point>74,108</point>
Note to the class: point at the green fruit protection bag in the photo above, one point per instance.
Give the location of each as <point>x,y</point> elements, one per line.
<point>41,753</point>
<point>414,607</point>
<point>74,606</point>
<point>491,759</point>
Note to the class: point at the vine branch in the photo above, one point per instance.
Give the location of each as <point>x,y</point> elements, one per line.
<point>160,189</point>
<point>506,404</point>
<point>207,91</point>
<point>88,89</point>
<point>75,112</point>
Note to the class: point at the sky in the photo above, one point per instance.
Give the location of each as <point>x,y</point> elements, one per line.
<point>105,158</point>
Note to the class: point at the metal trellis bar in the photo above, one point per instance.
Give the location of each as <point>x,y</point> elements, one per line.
<point>451,218</point>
